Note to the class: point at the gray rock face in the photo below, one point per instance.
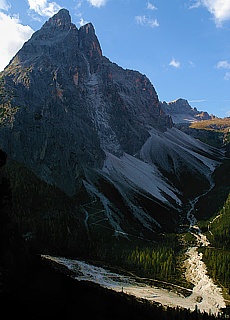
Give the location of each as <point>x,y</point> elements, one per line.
<point>72,104</point>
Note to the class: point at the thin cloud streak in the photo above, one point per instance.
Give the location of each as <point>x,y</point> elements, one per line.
<point>227,76</point>
<point>151,6</point>
<point>197,100</point>
<point>224,64</point>
<point>81,21</point>
<point>144,21</point>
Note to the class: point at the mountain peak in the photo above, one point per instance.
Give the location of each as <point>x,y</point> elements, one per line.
<point>181,112</point>
<point>88,28</point>
<point>62,18</point>
<point>180,102</point>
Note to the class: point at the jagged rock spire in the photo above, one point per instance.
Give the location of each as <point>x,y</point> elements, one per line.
<point>62,18</point>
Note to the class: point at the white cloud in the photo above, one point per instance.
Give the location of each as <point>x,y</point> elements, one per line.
<point>144,21</point>
<point>78,5</point>
<point>4,5</point>
<point>220,9</point>
<point>43,7</point>
<point>151,6</point>
<point>97,3</point>
<point>223,64</point>
<point>174,63</point>
<point>13,35</point>
<point>82,22</point>
<point>195,5</point>
<point>227,76</point>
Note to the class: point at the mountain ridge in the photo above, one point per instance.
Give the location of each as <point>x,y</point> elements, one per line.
<point>181,112</point>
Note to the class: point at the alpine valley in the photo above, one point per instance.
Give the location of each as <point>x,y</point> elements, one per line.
<point>94,167</point>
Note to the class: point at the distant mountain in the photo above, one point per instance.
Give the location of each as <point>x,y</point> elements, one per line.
<point>98,133</point>
<point>181,112</point>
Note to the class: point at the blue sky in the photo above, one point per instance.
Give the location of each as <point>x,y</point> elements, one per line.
<point>182,46</point>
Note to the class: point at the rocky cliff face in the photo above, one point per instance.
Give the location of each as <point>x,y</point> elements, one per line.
<point>84,124</point>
